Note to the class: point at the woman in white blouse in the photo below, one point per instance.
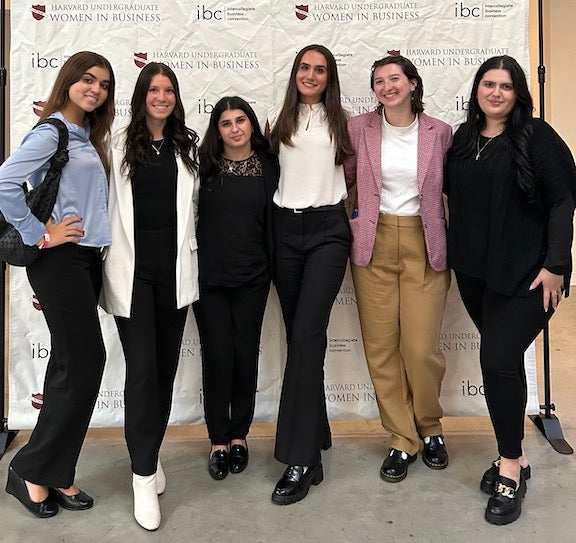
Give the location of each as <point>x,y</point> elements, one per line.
<point>311,246</point>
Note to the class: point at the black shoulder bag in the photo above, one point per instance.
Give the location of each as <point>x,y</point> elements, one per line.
<point>40,200</point>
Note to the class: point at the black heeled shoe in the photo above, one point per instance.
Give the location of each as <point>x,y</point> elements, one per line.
<point>218,464</point>
<point>77,502</point>
<point>491,474</point>
<point>505,504</point>
<point>294,485</point>
<point>238,458</point>
<point>17,487</point>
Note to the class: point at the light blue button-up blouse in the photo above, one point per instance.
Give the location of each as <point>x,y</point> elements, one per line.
<point>83,190</point>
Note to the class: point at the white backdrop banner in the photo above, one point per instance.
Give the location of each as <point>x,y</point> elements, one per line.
<point>246,48</point>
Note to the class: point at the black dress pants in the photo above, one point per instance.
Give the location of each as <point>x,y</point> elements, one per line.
<point>151,340</point>
<point>507,326</point>
<point>229,322</point>
<point>311,252</point>
<point>67,281</point>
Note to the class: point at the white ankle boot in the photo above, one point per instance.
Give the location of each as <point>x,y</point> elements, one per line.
<point>160,478</point>
<point>146,505</point>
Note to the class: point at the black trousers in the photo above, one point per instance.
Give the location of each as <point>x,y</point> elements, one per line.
<point>151,340</point>
<point>311,252</point>
<point>507,326</point>
<point>229,322</point>
<point>67,281</point>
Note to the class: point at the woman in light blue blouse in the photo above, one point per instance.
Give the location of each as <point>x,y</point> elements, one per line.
<point>66,278</point>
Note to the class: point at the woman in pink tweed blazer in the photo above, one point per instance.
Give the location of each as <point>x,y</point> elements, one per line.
<point>399,260</point>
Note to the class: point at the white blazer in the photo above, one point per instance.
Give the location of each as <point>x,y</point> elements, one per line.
<point>119,258</point>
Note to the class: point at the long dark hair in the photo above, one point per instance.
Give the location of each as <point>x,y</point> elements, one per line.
<point>102,117</point>
<point>211,148</point>
<point>177,136</point>
<point>287,123</point>
<point>518,131</point>
<point>410,72</point>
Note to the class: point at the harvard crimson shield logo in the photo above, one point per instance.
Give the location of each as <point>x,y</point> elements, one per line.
<point>301,12</point>
<point>140,59</point>
<point>38,12</point>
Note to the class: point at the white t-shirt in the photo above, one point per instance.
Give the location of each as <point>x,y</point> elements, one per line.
<point>400,195</point>
<point>308,175</point>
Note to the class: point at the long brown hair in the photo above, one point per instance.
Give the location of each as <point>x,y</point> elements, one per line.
<point>287,123</point>
<point>179,138</point>
<point>102,117</point>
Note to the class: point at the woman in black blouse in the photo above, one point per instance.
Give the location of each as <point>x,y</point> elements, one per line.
<point>237,181</point>
<point>151,268</point>
<point>510,182</point>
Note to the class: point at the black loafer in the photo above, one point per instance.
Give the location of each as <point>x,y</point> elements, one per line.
<point>395,466</point>
<point>218,465</point>
<point>78,502</point>
<point>238,458</point>
<point>17,487</point>
<point>294,485</point>
<point>505,504</point>
<point>435,455</point>
<point>491,474</point>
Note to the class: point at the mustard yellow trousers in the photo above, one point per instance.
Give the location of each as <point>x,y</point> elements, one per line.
<point>401,302</point>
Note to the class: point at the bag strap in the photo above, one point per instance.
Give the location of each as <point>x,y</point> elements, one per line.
<point>60,157</point>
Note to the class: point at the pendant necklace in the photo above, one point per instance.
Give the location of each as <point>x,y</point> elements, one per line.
<point>480,149</point>
<point>157,149</point>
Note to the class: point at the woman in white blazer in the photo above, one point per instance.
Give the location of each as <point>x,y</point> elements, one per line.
<point>151,268</point>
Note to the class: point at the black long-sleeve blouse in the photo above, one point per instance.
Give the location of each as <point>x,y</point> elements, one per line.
<point>495,234</point>
<point>234,222</point>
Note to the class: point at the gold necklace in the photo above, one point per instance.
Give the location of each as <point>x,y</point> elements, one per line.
<point>238,159</point>
<point>157,149</point>
<point>233,161</point>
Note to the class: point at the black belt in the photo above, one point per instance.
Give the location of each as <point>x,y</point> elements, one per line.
<point>335,207</point>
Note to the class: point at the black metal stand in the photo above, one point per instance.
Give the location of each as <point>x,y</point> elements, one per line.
<point>546,422</point>
<point>6,436</point>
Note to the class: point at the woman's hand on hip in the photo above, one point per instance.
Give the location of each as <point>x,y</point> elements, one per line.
<point>552,287</point>
<point>67,231</point>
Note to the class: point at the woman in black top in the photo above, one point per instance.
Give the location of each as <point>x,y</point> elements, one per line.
<point>237,181</point>
<point>510,182</point>
<point>151,268</point>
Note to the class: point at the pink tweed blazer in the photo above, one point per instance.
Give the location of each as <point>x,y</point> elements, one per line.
<point>365,170</point>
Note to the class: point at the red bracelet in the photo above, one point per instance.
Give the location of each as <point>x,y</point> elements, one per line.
<point>46,241</point>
